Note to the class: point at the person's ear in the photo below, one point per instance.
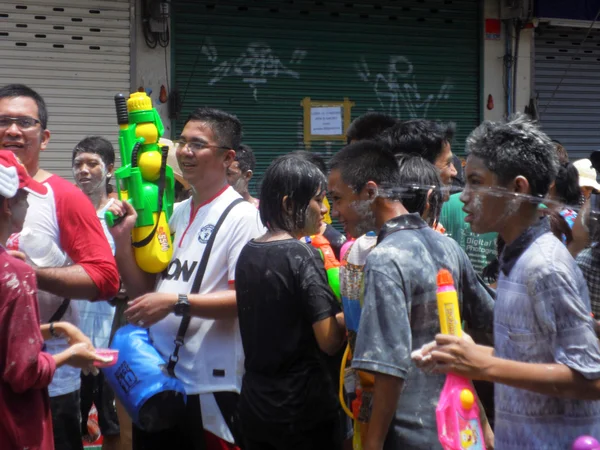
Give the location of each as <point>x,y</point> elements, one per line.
<point>552,189</point>
<point>369,191</point>
<point>228,157</point>
<point>45,140</point>
<point>521,185</point>
<point>286,204</point>
<point>110,170</point>
<point>248,175</point>
<point>5,207</point>
<point>427,204</point>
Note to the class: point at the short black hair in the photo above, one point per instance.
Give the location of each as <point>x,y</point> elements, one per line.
<point>369,126</point>
<point>97,145</point>
<point>365,161</point>
<point>516,147</point>
<point>298,179</point>
<point>313,158</point>
<point>226,127</point>
<point>245,157</point>
<point>567,184</point>
<point>419,176</point>
<point>561,151</point>
<point>20,90</point>
<point>422,137</point>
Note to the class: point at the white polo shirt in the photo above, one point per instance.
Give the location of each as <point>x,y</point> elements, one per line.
<point>212,357</point>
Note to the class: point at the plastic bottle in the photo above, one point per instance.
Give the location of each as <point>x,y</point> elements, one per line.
<point>41,249</point>
<point>457,412</point>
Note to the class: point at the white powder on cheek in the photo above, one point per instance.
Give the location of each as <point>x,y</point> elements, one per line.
<point>367,218</point>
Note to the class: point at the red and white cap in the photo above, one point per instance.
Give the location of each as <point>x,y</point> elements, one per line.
<point>14,176</point>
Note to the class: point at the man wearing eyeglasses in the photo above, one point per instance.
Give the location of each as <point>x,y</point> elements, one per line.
<point>211,360</point>
<point>68,218</point>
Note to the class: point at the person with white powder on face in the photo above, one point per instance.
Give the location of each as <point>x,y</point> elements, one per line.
<point>93,162</point>
<point>25,369</point>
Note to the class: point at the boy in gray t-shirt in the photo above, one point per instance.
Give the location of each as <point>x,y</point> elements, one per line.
<point>546,359</point>
<point>399,309</point>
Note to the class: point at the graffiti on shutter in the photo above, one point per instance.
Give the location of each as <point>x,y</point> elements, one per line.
<point>254,66</point>
<point>398,88</point>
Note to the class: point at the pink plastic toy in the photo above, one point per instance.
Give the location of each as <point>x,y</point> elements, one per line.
<point>457,412</point>
<point>585,443</point>
<point>107,353</point>
<point>345,248</point>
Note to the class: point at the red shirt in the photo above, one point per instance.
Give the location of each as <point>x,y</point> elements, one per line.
<point>82,236</point>
<point>25,371</point>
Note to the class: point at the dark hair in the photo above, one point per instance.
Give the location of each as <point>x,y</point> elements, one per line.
<point>313,158</point>
<point>245,157</point>
<point>226,127</point>
<point>296,178</point>
<point>561,152</point>
<point>365,161</point>
<point>20,90</point>
<point>423,176</point>
<point>97,145</point>
<point>567,184</point>
<point>369,126</point>
<point>516,147</point>
<point>425,138</point>
<point>558,225</point>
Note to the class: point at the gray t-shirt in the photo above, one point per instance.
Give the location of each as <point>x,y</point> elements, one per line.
<point>542,315</point>
<point>400,315</point>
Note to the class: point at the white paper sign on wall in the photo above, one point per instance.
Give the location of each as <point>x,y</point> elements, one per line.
<point>326,121</point>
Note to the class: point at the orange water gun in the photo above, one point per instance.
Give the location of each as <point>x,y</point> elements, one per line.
<point>332,265</point>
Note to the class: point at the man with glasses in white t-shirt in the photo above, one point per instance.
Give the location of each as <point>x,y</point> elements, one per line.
<point>211,359</point>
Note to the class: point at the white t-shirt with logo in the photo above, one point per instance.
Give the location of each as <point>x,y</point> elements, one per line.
<point>212,357</point>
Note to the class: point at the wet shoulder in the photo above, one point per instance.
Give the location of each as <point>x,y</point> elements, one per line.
<point>16,279</point>
<point>406,248</point>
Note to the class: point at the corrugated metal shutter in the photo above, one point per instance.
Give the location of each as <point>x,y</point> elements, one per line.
<point>75,53</point>
<point>418,58</point>
<point>569,111</point>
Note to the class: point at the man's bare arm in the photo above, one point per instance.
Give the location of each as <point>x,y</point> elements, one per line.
<point>70,282</point>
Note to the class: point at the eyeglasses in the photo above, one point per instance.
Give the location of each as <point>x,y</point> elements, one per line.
<point>23,122</point>
<point>197,145</point>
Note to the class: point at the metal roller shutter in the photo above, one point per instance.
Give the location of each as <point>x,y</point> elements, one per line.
<point>569,111</point>
<point>75,53</point>
<point>412,58</point>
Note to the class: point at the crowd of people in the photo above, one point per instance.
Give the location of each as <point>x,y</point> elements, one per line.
<point>301,337</point>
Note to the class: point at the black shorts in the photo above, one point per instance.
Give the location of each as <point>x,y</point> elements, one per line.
<point>322,436</point>
<point>65,421</point>
<point>95,389</point>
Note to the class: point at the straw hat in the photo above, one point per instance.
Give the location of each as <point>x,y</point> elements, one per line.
<point>172,161</point>
<point>587,174</point>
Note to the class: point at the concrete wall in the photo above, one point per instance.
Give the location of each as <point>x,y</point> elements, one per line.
<point>149,69</point>
<point>493,68</point>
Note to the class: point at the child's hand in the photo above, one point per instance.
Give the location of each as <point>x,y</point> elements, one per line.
<point>423,357</point>
<point>73,334</point>
<point>460,356</point>
<point>83,356</point>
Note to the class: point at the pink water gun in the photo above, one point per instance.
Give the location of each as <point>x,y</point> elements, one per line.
<point>457,411</point>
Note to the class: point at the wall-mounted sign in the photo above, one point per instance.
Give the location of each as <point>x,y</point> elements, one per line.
<point>326,121</point>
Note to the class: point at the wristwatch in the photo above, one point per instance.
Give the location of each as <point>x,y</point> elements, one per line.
<point>182,307</point>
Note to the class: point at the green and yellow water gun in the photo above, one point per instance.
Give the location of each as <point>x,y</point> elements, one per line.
<point>145,180</point>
